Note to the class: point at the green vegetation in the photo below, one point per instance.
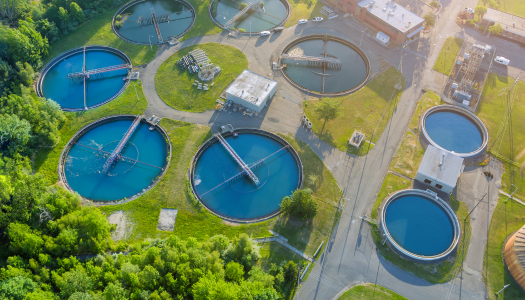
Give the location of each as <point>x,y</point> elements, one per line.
<point>496,28</point>
<point>275,253</point>
<point>367,110</point>
<point>301,9</point>
<point>175,86</point>
<point>369,291</point>
<point>508,217</point>
<point>433,272</point>
<point>98,32</point>
<point>447,56</point>
<point>327,110</point>
<point>46,159</point>
<point>430,19</point>
<point>300,205</point>
<point>203,24</point>
<point>492,111</point>
<point>515,7</point>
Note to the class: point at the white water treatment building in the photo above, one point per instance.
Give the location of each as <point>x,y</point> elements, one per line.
<point>251,90</point>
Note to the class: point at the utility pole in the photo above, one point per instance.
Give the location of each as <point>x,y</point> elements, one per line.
<point>362,33</point>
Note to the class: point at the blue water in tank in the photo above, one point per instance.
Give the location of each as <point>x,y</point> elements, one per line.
<point>278,176</point>
<point>83,168</point>
<point>453,132</point>
<point>419,225</point>
<point>69,93</point>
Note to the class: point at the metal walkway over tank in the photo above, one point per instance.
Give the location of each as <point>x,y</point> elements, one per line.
<point>116,152</point>
<point>87,74</point>
<point>246,169</point>
<point>331,62</point>
<point>239,14</point>
<point>156,25</point>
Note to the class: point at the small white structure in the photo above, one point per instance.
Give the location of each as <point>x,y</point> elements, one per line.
<point>440,169</point>
<point>382,37</point>
<point>251,90</point>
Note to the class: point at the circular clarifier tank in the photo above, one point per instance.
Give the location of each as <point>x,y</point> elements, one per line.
<point>341,67</point>
<point>174,19</point>
<point>271,14</point>
<point>219,182</point>
<point>420,225</point>
<point>60,81</point>
<point>455,129</point>
<point>140,164</point>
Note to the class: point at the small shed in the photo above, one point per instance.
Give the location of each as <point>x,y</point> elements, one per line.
<point>251,90</point>
<point>382,37</point>
<point>440,169</point>
<point>514,255</point>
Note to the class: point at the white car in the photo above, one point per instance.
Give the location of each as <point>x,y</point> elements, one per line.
<point>302,21</point>
<point>470,10</point>
<point>317,19</point>
<point>265,33</point>
<point>502,60</point>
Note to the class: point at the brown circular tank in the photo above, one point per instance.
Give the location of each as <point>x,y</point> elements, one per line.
<point>515,256</point>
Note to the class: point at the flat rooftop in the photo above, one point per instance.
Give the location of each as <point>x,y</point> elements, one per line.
<point>448,172</point>
<point>508,21</point>
<point>392,13</point>
<point>251,87</point>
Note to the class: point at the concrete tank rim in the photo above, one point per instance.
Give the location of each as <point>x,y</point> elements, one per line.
<point>465,113</point>
<point>438,201</point>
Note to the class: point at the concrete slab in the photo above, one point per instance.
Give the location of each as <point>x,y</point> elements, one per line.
<point>167,219</point>
<point>123,228</point>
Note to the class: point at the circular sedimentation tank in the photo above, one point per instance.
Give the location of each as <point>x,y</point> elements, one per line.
<point>322,77</point>
<point>174,18</point>
<point>142,162</point>
<point>455,129</point>
<point>218,181</point>
<point>75,94</point>
<point>271,14</point>
<point>420,225</point>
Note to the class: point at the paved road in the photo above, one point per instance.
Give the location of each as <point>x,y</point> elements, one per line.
<point>350,256</point>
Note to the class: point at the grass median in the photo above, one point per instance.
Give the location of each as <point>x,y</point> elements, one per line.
<point>370,291</point>
<point>447,56</point>
<point>175,86</point>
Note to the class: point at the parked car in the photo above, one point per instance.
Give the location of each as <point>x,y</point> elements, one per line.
<point>317,19</point>
<point>302,21</point>
<point>265,33</point>
<point>469,9</point>
<point>278,29</point>
<point>502,60</point>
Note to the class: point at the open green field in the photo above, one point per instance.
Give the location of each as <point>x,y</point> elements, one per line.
<point>370,291</point>
<point>203,24</point>
<point>432,272</point>
<point>45,160</point>
<point>194,219</point>
<point>427,101</point>
<point>368,110</point>
<point>301,10</point>
<point>492,111</point>
<point>175,86</point>
<point>515,7</point>
<point>98,32</point>
<point>447,56</point>
<point>507,218</point>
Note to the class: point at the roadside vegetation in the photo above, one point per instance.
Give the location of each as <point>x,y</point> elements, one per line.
<point>175,86</point>
<point>515,7</point>
<point>203,24</point>
<point>301,9</point>
<point>508,217</point>
<point>447,56</point>
<point>370,291</point>
<point>367,110</point>
<point>493,112</point>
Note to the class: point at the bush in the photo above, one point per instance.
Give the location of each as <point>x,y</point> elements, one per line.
<point>301,204</point>
<point>470,23</point>
<point>118,18</point>
<point>261,4</point>
<point>242,6</point>
<point>463,15</point>
<point>242,30</point>
<point>118,25</point>
<point>434,4</point>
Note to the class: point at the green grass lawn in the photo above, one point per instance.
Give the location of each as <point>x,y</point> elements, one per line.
<point>203,24</point>
<point>175,86</point>
<point>98,32</point>
<point>301,10</point>
<point>492,111</point>
<point>427,101</point>
<point>194,220</point>
<point>515,7</point>
<point>275,253</point>
<point>447,56</point>
<point>370,291</point>
<point>432,272</point>
<point>367,110</point>
<point>507,218</point>
<point>46,159</point>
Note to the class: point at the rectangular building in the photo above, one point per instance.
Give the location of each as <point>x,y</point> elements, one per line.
<point>251,90</point>
<point>386,16</point>
<point>440,169</point>
<point>513,26</point>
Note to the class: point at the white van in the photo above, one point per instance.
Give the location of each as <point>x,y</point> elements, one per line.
<point>265,33</point>
<point>502,60</point>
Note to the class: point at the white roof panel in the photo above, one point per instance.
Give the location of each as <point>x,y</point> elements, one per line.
<point>448,172</point>
<point>392,13</point>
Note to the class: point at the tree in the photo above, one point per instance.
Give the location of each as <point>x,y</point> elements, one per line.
<point>234,272</point>
<point>76,13</point>
<point>23,240</point>
<point>434,4</point>
<point>14,133</point>
<point>493,4</point>
<point>75,280</point>
<point>480,10</point>
<point>16,287</point>
<point>13,10</point>
<point>496,29</point>
<point>463,15</point>
<point>328,109</point>
<point>430,19</point>
<point>24,44</point>
<point>301,204</point>
<point>47,29</point>
<point>26,73</point>
<point>7,77</point>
